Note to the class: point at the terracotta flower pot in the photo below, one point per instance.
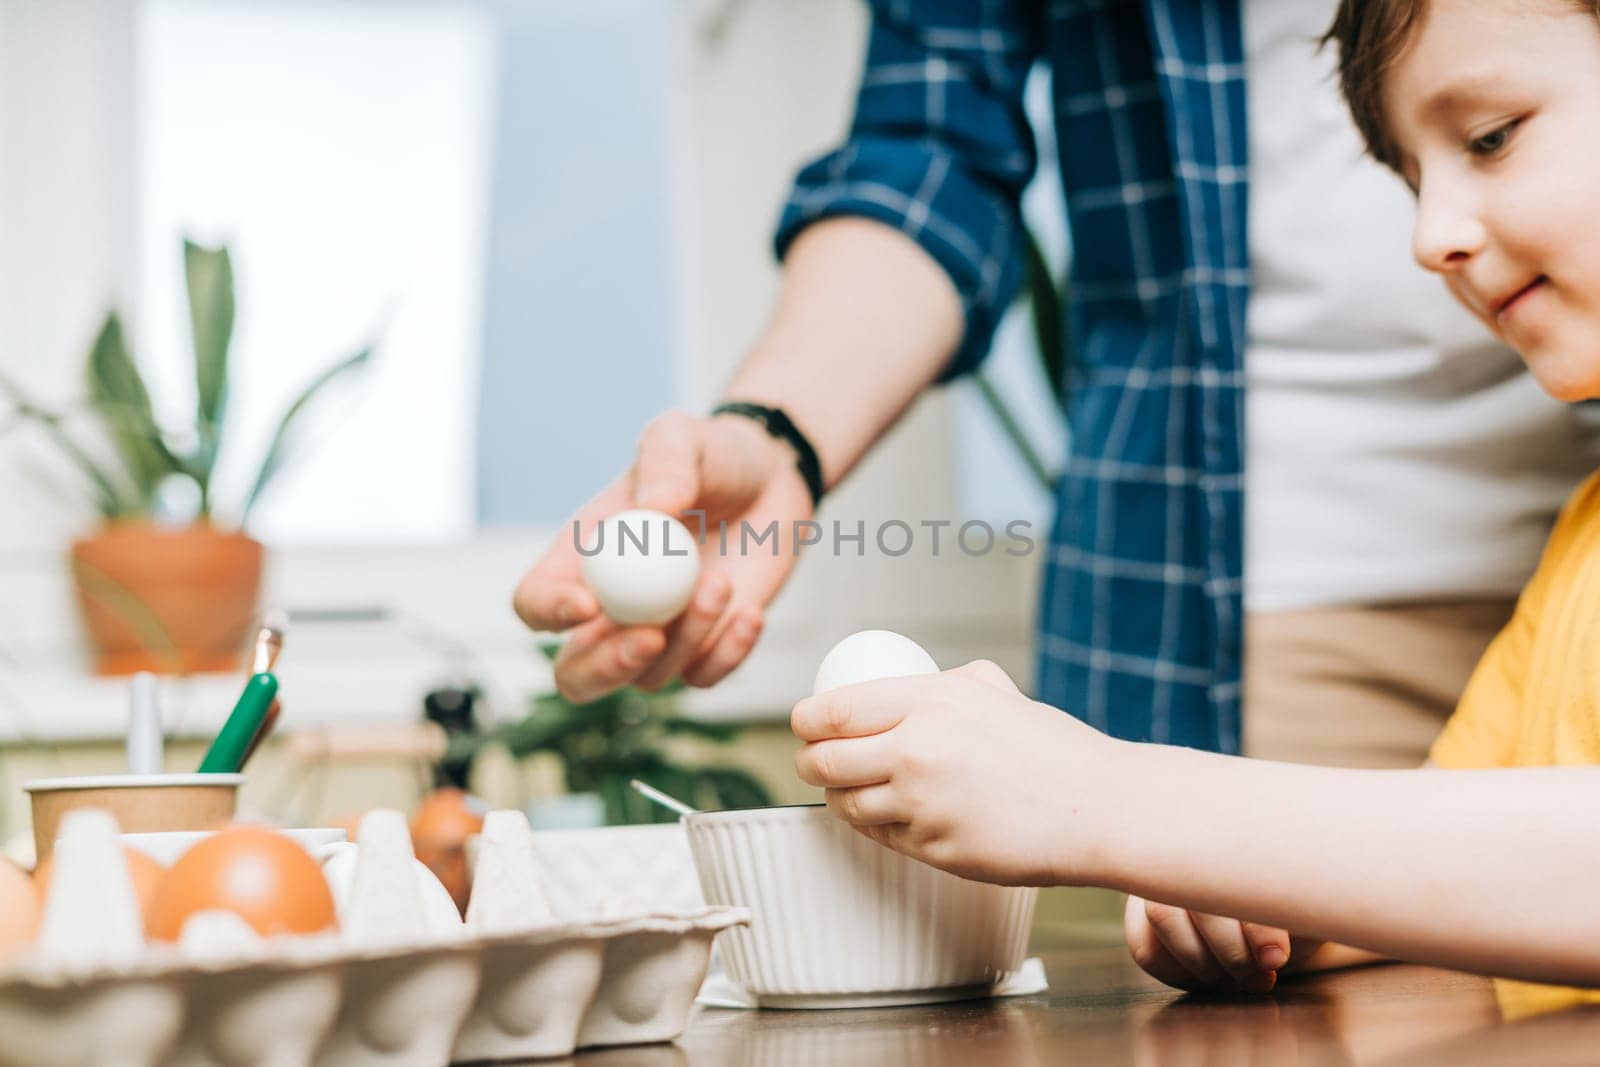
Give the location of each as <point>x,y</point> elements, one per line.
<point>167,599</point>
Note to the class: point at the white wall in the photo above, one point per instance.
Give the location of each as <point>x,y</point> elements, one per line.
<point>67,108</point>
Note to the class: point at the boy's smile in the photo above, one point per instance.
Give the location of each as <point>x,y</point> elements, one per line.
<point>1502,308</point>
<point>1495,109</point>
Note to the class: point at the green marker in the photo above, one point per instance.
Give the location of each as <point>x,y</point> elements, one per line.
<point>227,752</point>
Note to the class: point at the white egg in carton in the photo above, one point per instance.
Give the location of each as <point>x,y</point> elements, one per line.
<point>403,981</point>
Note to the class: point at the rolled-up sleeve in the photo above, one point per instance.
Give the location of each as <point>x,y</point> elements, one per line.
<point>940,148</point>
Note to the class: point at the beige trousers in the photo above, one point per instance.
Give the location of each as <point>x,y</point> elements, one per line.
<point>1363,686</point>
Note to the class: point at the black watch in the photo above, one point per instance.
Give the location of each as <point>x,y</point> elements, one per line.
<point>781,426</point>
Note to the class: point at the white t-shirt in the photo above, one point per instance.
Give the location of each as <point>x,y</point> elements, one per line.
<point>1395,451</point>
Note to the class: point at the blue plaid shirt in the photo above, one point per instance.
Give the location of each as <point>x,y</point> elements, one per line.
<point>1140,624</point>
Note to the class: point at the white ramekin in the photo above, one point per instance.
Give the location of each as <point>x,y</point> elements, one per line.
<point>839,920</point>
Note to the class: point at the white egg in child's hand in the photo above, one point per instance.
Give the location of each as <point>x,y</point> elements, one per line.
<point>641,565</point>
<point>869,655</point>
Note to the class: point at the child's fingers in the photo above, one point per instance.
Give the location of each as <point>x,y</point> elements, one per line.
<point>846,762</point>
<point>1225,938</point>
<point>872,805</point>
<point>1148,950</point>
<point>894,835</point>
<point>1269,944</point>
<point>850,711</point>
<point>1184,943</point>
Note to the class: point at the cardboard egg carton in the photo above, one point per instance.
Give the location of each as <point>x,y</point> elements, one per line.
<point>404,981</point>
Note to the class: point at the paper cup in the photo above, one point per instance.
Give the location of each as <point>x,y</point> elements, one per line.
<point>840,921</point>
<point>140,803</point>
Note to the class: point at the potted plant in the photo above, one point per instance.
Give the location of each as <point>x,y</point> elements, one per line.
<point>607,742</point>
<point>169,580</point>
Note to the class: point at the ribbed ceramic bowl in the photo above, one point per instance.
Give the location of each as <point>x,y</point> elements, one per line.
<point>840,921</point>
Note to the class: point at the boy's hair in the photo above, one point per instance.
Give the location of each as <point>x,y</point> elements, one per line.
<point>1371,35</point>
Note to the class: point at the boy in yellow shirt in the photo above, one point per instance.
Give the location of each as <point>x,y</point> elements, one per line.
<point>1490,111</point>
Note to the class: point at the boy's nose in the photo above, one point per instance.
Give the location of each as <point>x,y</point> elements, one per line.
<point>1445,237</point>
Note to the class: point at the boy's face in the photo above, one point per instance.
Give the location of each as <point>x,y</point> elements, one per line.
<point>1495,108</point>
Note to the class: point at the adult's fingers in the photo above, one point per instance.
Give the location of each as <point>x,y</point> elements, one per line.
<point>870,805</point>
<point>666,470</point>
<point>546,601</point>
<point>552,595</point>
<point>688,632</point>
<point>846,762</point>
<point>729,645</point>
<point>601,657</point>
<point>852,710</point>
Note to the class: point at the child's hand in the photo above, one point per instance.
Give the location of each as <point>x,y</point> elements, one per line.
<point>957,769</point>
<point>1204,953</point>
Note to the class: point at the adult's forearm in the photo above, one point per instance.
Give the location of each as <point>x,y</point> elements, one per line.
<point>865,322</point>
<point>1492,871</point>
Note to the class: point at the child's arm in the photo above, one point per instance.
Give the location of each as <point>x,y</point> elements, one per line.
<point>1215,953</point>
<point>1490,871</point>
<point>1493,871</point>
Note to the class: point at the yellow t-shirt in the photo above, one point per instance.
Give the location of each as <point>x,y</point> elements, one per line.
<point>1534,698</point>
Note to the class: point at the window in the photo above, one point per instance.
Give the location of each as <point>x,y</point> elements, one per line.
<point>343,152</point>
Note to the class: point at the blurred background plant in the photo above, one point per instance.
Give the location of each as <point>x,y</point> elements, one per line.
<point>156,471</point>
<point>628,734</point>
<point>160,585</point>
<point>1046,298</point>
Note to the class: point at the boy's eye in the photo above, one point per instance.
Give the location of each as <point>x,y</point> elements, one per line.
<point>1494,141</point>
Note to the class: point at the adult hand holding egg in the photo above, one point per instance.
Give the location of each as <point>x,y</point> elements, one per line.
<point>727,466</point>
<point>958,769</point>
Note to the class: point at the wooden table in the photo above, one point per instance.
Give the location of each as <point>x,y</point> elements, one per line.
<point>1100,1009</point>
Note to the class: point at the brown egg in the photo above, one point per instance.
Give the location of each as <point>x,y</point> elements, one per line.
<point>439,831</point>
<point>263,877</point>
<point>145,872</point>
<point>19,909</point>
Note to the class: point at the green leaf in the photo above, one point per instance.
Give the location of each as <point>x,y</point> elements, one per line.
<point>209,275</point>
<point>541,730</point>
<point>720,732</point>
<point>1045,302</point>
<point>117,390</point>
<point>282,440</point>
<point>733,788</point>
<point>111,500</point>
